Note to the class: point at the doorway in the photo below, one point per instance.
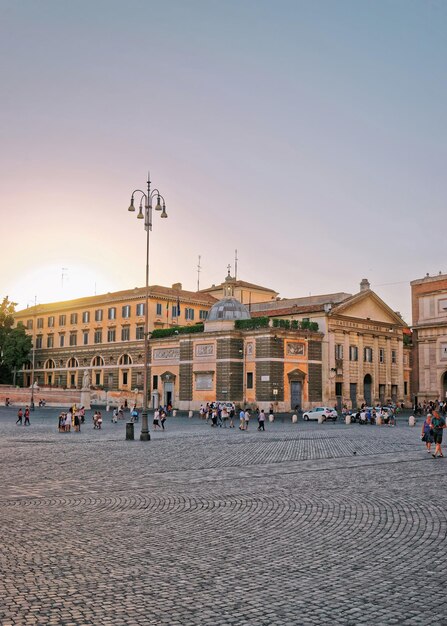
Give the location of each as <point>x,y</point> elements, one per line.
<point>168,394</point>
<point>367,388</point>
<point>353,395</point>
<point>296,394</point>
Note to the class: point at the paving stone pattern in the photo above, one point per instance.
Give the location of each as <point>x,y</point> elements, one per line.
<point>302,524</point>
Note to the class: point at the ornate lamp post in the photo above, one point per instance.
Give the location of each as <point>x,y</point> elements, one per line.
<point>148,197</point>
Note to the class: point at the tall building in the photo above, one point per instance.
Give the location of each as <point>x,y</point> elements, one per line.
<point>429,312</point>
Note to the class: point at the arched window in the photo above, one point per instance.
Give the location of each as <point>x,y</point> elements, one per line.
<point>73,362</point>
<point>27,365</point>
<point>49,365</point>
<point>125,359</point>
<point>97,361</point>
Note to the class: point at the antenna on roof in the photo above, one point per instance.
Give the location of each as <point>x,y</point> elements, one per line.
<point>63,275</point>
<point>235,264</point>
<point>198,274</point>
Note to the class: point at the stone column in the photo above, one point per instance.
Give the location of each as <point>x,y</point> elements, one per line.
<point>388,369</point>
<point>375,389</point>
<point>360,375</point>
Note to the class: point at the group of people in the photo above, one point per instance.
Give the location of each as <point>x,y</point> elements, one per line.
<point>431,433</point>
<point>23,414</point>
<point>72,418</point>
<point>160,416</point>
<point>431,406</point>
<point>370,415</point>
<point>221,414</point>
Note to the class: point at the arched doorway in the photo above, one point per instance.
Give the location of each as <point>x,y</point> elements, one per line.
<point>444,386</point>
<point>367,389</point>
<point>296,382</point>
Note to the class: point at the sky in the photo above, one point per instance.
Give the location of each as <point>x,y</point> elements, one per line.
<point>308,135</point>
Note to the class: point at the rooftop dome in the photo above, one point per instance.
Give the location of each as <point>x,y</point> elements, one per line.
<point>228,309</point>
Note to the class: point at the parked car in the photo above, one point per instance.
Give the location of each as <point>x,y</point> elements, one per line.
<point>320,411</point>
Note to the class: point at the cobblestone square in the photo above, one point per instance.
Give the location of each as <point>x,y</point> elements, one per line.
<point>301,524</point>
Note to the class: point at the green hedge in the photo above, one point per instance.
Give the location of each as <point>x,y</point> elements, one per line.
<point>176,330</point>
<point>294,324</point>
<point>252,324</point>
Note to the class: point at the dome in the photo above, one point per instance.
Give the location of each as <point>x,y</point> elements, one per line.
<point>228,309</point>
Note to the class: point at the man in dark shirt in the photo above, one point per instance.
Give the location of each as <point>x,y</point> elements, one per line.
<point>437,424</point>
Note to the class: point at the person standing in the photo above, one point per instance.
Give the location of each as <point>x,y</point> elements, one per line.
<point>232,418</point>
<point>261,420</point>
<point>163,419</point>
<point>242,419</point>
<point>27,422</point>
<point>156,420</point>
<point>426,433</point>
<point>438,425</point>
<point>19,417</point>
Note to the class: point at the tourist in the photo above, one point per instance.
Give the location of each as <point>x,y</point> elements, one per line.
<point>224,415</point>
<point>95,420</point>
<point>261,420</point>
<point>82,414</point>
<point>242,419</point>
<point>246,418</point>
<point>27,422</point>
<point>232,417</point>
<point>156,420</point>
<point>19,417</point>
<point>77,422</point>
<point>214,417</point>
<point>271,414</point>
<point>61,422</point>
<point>438,425</point>
<point>68,417</point>
<point>427,433</point>
<point>163,416</point>
<point>99,420</point>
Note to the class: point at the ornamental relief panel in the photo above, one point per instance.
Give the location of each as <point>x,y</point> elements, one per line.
<point>295,348</point>
<point>160,354</point>
<point>249,349</point>
<point>205,349</point>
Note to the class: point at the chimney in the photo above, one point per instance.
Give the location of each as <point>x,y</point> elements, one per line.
<point>177,286</point>
<point>364,285</point>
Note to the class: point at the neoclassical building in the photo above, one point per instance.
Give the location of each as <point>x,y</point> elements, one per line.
<point>429,312</point>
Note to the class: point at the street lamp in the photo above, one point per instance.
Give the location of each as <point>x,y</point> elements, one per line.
<point>148,197</point>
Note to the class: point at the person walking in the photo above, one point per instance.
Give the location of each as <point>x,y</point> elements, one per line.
<point>232,418</point>
<point>19,417</point>
<point>163,419</point>
<point>426,433</point>
<point>261,420</point>
<point>27,422</point>
<point>156,420</point>
<point>438,425</point>
<point>246,418</point>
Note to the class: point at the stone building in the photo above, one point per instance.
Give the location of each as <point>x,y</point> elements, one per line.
<point>247,363</point>
<point>363,345</point>
<point>103,334</point>
<point>429,312</point>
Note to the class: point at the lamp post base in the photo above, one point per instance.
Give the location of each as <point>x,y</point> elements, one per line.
<point>145,436</point>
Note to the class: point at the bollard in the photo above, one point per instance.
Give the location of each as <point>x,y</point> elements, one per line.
<point>320,419</point>
<point>129,431</point>
<point>294,419</point>
<point>412,420</point>
<point>378,421</point>
<point>271,417</point>
<point>190,413</point>
<point>347,419</point>
<point>174,412</point>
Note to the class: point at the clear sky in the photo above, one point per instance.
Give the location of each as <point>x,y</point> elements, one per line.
<point>310,135</point>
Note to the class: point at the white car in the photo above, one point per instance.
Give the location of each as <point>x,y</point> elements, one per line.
<point>320,411</point>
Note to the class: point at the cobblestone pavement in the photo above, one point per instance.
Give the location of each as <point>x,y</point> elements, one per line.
<point>302,524</point>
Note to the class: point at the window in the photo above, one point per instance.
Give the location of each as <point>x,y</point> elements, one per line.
<point>140,332</point>
<point>73,362</point>
<point>189,314</point>
<point>338,389</point>
<point>125,333</point>
<point>367,355</point>
<point>51,321</point>
<point>140,309</point>
<point>159,308</point>
<point>38,342</point>
<point>61,341</point>
<point>339,351</point>
<point>72,380</point>
<point>174,310</point>
<point>98,336</point>
<point>85,317</point>
<point>204,382</point>
<point>125,378</point>
<point>40,322</point>
<point>111,313</point>
<point>155,382</point>
<point>62,320</point>
<point>138,379</point>
<point>97,378</point>
<point>249,380</point>
<point>85,337</point>
<point>353,353</point>
<point>405,388</point>
<point>98,315</point>
<point>381,355</point>
<point>29,324</point>
<point>393,356</point>
<point>124,360</point>
<point>111,334</point>
<point>50,341</point>
<point>74,318</point>
<point>203,314</point>
<point>98,361</point>
<point>73,339</point>
<point>125,311</point>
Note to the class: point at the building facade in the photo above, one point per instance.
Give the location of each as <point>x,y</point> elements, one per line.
<point>429,313</point>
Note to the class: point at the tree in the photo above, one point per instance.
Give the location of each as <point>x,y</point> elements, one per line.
<point>15,345</point>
